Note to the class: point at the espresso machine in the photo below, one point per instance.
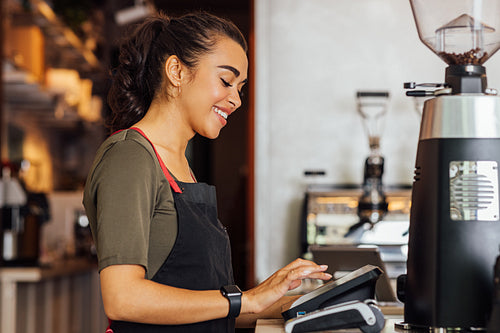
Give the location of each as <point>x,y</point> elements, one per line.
<point>22,214</point>
<point>12,200</point>
<point>454,234</point>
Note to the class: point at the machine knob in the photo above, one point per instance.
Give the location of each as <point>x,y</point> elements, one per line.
<point>401,287</point>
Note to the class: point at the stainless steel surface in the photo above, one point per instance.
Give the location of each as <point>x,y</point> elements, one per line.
<point>461,116</point>
<point>331,210</point>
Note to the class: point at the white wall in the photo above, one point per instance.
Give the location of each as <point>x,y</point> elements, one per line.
<point>311,58</point>
<point>58,235</point>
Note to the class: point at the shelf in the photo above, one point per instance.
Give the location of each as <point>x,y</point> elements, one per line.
<point>63,48</point>
<point>28,102</point>
<point>37,41</point>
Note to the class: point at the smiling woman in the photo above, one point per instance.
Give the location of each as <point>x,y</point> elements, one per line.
<point>164,257</point>
<point>206,94</point>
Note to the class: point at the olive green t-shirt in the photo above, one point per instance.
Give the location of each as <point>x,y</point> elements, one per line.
<point>129,204</point>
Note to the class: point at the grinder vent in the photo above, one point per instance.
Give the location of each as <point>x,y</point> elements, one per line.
<point>474,191</point>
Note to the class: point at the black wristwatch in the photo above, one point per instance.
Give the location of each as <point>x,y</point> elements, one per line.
<point>233,294</point>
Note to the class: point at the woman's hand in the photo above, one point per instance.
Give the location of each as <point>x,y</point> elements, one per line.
<point>289,277</point>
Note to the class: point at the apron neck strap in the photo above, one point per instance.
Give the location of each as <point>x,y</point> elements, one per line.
<point>167,174</point>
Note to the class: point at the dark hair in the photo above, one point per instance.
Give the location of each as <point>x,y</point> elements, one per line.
<point>142,55</point>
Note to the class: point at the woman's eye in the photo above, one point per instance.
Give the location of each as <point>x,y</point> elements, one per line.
<point>225,83</point>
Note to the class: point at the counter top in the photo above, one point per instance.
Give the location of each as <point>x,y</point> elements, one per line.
<point>277,326</point>
<point>66,286</point>
<point>38,273</point>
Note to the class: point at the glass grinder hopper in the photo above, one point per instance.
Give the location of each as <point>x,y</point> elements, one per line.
<point>464,34</point>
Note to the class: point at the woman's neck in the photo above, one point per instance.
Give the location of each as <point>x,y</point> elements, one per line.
<point>164,129</point>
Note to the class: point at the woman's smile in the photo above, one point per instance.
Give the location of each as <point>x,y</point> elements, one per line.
<point>221,114</point>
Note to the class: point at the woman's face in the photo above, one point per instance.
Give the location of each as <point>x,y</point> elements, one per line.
<point>212,93</point>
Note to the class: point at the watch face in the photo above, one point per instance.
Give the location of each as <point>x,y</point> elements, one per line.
<point>232,290</point>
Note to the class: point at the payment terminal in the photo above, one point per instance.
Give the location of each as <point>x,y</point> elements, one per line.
<point>347,302</point>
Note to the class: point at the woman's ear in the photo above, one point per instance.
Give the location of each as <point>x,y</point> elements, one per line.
<point>174,70</point>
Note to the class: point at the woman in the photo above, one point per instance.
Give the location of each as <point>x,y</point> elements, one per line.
<point>164,258</point>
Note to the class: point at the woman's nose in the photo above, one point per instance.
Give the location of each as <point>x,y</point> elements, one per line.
<point>235,99</point>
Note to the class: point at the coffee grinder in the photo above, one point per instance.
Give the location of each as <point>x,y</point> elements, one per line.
<point>372,107</point>
<point>372,203</point>
<point>454,234</point>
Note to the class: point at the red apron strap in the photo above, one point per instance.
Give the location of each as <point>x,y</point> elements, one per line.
<point>109,330</point>
<point>116,132</point>
<point>167,174</point>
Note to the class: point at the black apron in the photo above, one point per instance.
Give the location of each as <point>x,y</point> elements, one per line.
<point>200,258</point>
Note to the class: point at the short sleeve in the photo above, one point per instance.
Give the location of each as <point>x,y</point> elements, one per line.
<point>123,186</point>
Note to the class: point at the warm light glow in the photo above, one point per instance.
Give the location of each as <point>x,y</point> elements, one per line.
<point>46,11</point>
<point>65,82</point>
<point>351,202</point>
<point>24,45</point>
<point>402,204</point>
<point>38,177</point>
<point>89,108</point>
<point>395,203</point>
<point>70,36</point>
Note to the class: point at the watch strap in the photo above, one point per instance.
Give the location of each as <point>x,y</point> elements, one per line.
<point>233,294</point>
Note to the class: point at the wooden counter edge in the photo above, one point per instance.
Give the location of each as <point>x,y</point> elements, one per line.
<point>61,268</point>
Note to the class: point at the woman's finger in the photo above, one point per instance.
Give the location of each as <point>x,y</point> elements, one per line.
<point>299,262</point>
<point>304,271</point>
<point>320,275</point>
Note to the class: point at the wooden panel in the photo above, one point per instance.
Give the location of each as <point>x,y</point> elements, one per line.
<point>250,223</point>
<point>54,300</point>
<point>25,46</point>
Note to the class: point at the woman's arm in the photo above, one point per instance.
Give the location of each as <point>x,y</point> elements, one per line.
<point>128,296</point>
<point>249,320</point>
